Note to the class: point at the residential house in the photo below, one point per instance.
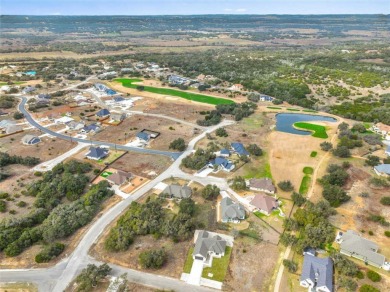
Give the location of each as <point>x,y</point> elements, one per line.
<point>110,91</point>
<point>266,98</point>
<point>221,163</point>
<point>92,128</point>
<point>382,129</point>
<point>28,89</point>
<point>382,169</point>
<point>231,211</point>
<point>261,185</point>
<point>44,96</point>
<point>100,87</point>
<point>143,136</point>
<point>118,99</point>
<point>178,80</point>
<point>224,153</point>
<point>5,88</point>
<point>317,273</point>
<point>117,117</point>
<point>10,129</point>
<point>265,204</point>
<point>96,153</point>
<point>236,87</point>
<point>103,113</point>
<point>108,75</point>
<point>63,120</point>
<point>5,123</point>
<point>175,191</point>
<point>119,178</point>
<point>30,140</point>
<point>208,245</point>
<point>127,70</point>
<point>75,126</point>
<point>239,149</point>
<point>353,245</point>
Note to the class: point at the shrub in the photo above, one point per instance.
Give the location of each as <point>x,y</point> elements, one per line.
<point>3,206</point>
<point>326,146</point>
<point>347,283</point>
<point>38,173</point>
<point>387,233</point>
<point>221,132</point>
<point>238,183</point>
<point>342,152</point>
<point>18,115</point>
<point>153,259</point>
<point>290,265</point>
<point>254,150</point>
<point>373,276</point>
<point>368,288</point>
<point>359,275</point>
<point>49,252</point>
<point>298,199</point>
<point>90,276</point>
<point>21,204</point>
<point>286,186</point>
<point>372,160</point>
<point>385,201</point>
<point>178,144</point>
<point>210,192</point>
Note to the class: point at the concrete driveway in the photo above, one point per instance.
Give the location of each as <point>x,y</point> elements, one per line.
<point>196,273</point>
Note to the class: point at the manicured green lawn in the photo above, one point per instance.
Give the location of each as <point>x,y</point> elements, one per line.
<point>274,107</point>
<point>219,267</point>
<point>14,83</point>
<point>310,111</point>
<point>308,170</point>
<point>259,214</point>
<point>305,184</point>
<point>126,82</point>
<point>106,174</point>
<point>294,109</point>
<point>189,261</point>
<point>313,154</point>
<point>318,130</point>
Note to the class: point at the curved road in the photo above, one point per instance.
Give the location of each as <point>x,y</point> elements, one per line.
<point>29,118</point>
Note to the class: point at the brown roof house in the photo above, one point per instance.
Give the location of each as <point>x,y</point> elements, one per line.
<point>119,178</point>
<point>265,204</point>
<point>261,185</point>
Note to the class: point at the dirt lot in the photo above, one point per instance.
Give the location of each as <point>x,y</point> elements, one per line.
<point>146,165</point>
<point>58,111</point>
<point>18,287</point>
<point>251,266</point>
<point>169,131</point>
<point>46,150</point>
<point>26,259</point>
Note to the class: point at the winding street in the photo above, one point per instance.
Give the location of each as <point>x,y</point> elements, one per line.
<point>58,277</point>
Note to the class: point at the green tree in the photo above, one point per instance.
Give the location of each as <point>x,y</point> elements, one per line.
<point>286,186</point>
<point>326,146</point>
<point>153,259</point>
<point>238,183</point>
<point>368,288</point>
<point>385,201</point>
<point>18,115</point>
<point>255,150</point>
<point>178,144</point>
<point>210,192</point>
<point>221,132</point>
<point>291,266</point>
<point>298,199</point>
<point>89,277</point>
<point>373,276</point>
<point>372,160</point>
<point>342,152</point>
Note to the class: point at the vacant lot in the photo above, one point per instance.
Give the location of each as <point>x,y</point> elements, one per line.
<point>169,131</point>
<point>47,149</point>
<point>146,165</point>
<point>251,265</point>
<point>183,94</point>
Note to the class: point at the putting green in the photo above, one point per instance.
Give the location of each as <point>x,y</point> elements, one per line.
<point>126,82</point>
<point>318,130</point>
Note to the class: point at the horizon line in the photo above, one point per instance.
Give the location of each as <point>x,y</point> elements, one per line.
<point>206,14</point>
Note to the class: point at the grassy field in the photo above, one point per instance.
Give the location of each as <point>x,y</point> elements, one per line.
<point>274,107</point>
<point>305,184</point>
<point>294,109</point>
<point>219,267</point>
<point>308,170</point>
<point>183,94</point>
<point>318,130</point>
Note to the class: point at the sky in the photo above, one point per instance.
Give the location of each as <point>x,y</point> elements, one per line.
<point>185,7</point>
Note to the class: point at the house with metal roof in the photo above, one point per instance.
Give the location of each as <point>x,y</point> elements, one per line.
<point>28,89</point>
<point>239,148</point>
<point>30,140</point>
<point>175,191</point>
<point>261,185</point>
<point>44,96</point>
<point>224,152</point>
<point>207,246</point>
<point>382,169</point>
<point>5,123</point>
<point>264,204</point>
<point>143,136</point>
<point>96,153</point>
<point>117,117</point>
<point>221,163</point>
<point>317,273</point>
<point>354,245</point>
<point>92,128</point>
<point>231,211</point>
<point>103,113</point>
<point>75,126</point>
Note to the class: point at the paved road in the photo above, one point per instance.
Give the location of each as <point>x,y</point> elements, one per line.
<point>57,278</point>
<point>29,118</point>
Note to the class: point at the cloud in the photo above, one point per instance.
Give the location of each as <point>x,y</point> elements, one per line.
<point>240,10</point>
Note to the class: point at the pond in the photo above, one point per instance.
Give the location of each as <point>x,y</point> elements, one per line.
<point>285,122</point>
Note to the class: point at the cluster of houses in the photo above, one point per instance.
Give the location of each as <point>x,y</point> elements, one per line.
<point>221,161</point>
<point>104,89</point>
<point>382,129</point>
<point>108,75</point>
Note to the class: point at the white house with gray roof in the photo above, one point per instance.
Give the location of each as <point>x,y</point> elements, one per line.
<point>231,211</point>
<point>175,191</point>
<point>353,245</point>
<point>382,169</point>
<point>208,245</point>
<point>317,273</point>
